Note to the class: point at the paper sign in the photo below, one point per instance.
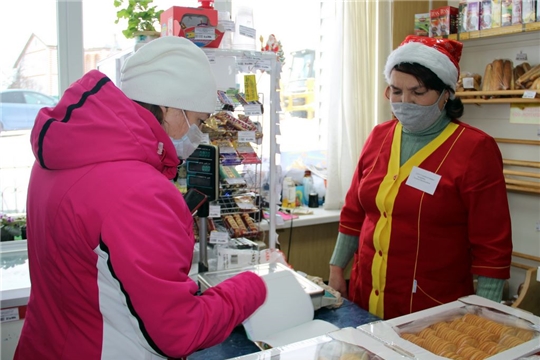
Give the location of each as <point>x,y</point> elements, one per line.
<point>246,136</point>
<point>264,65</point>
<point>214,211</point>
<point>247,31</point>
<point>525,114</point>
<point>521,56</point>
<point>205,139</point>
<point>218,237</point>
<point>205,33</point>
<point>423,180</point>
<point>228,25</point>
<point>211,57</point>
<point>529,94</point>
<point>252,109</point>
<point>250,86</point>
<point>11,314</point>
<point>468,83</point>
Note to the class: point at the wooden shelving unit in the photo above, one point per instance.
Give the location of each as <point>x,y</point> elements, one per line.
<point>516,174</point>
<point>500,31</point>
<point>465,97</point>
<point>502,96</point>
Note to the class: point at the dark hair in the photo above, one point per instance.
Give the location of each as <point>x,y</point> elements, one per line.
<point>154,109</point>
<point>454,108</point>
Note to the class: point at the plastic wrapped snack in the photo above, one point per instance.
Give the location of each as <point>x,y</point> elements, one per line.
<point>337,350</point>
<point>318,348</point>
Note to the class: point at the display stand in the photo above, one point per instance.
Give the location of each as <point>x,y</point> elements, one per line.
<point>272,66</point>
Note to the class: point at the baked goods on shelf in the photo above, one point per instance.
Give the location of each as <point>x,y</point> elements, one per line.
<point>501,83</point>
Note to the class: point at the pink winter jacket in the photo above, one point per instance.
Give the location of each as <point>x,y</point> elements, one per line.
<point>110,239</point>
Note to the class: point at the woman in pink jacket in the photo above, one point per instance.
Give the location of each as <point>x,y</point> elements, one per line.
<point>110,239</point>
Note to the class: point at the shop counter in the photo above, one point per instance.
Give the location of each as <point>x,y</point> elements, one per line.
<point>319,216</point>
<point>237,344</point>
<point>308,241</point>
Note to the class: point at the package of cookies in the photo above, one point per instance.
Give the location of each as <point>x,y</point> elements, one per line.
<point>471,328</point>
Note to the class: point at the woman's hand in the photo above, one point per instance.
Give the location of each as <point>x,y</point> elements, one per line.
<point>337,280</point>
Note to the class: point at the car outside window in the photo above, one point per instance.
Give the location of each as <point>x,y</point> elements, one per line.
<point>36,98</point>
<point>12,97</point>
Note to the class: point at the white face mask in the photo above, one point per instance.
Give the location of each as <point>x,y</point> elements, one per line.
<point>415,118</point>
<point>186,145</point>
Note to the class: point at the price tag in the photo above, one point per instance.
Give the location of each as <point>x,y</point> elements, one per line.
<point>205,33</point>
<point>246,136</point>
<point>218,237</point>
<point>205,139</point>
<point>214,211</point>
<point>11,314</point>
<point>521,56</point>
<point>247,31</point>
<point>250,86</point>
<point>468,83</point>
<point>211,57</point>
<point>252,109</point>
<point>264,65</point>
<point>529,94</point>
<point>234,181</point>
<point>228,25</point>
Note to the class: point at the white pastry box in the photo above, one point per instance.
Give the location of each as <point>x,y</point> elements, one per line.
<point>469,328</point>
<point>347,343</point>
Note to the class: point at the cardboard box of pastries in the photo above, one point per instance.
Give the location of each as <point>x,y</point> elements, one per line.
<point>469,328</point>
<point>344,344</point>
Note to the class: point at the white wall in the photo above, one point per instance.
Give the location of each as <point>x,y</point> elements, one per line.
<point>494,119</point>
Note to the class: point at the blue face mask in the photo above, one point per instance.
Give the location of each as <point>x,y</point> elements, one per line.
<point>415,118</point>
<point>186,145</point>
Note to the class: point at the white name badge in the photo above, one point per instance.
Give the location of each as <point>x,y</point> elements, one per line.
<point>423,180</point>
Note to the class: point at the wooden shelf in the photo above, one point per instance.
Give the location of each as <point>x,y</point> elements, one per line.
<point>500,31</point>
<point>465,97</point>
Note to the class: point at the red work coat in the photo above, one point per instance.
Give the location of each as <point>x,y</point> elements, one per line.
<point>418,250</point>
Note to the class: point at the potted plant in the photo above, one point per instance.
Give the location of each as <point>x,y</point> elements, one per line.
<point>12,227</point>
<point>141,19</point>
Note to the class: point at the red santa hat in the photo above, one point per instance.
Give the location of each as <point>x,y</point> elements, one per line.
<point>439,55</point>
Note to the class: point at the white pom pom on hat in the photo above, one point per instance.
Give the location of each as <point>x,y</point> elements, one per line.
<point>439,55</point>
<point>170,71</point>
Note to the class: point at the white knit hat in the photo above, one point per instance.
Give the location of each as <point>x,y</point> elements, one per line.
<point>439,55</point>
<point>170,71</point>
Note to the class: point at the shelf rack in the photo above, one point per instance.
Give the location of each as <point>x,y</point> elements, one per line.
<point>489,33</point>
<point>500,31</point>
<point>519,179</point>
<point>466,97</point>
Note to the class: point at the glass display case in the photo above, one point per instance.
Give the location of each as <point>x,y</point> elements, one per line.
<point>15,285</point>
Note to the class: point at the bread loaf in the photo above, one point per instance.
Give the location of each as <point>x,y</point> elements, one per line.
<point>508,74</point>
<point>535,85</point>
<point>518,71</point>
<point>529,76</point>
<point>487,79</point>
<point>497,75</point>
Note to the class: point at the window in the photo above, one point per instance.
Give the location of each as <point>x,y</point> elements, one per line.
<point>29,61</point>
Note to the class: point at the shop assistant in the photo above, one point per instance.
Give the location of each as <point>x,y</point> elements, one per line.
<point>427,208</point>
